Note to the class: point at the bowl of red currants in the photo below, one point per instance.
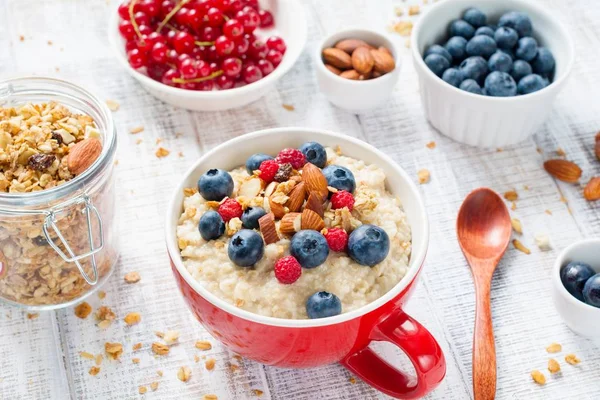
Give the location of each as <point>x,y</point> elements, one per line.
<point>208,55</point>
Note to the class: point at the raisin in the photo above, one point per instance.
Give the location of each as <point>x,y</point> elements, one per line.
<point>41,162</point>
<point>284,172</point>
<point>40,241</point>
<point>58,137</point>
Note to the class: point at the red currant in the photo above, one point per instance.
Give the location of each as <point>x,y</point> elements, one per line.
<point>266,19</point>
<point>210,34</point>
<point>204,69</point>
<point>214,67</point>
<point>265,67</point>
<point>154,38</point>
<point>166,7</point>
<point>172,57</point>
<point>183,43</point>
<point>222,5</point>
<point>235,6</point>
<point>168,77</point>
<point>151,8</point>
<point>252,74</point>
<point>123,10</point>
<point>159,53</point>
<point>257,50</point>
<point>144,44</point>
<point>137,58</point>
<point>188,68</point>
<point>276,43</point>
<point>205,86</point>
<point>199,53</point>
<point>141,18</point>
<point>232,67</point>
<point>252,20</point>
<point>193,18</point>
<point>252,3</point>
<point>145,30</point>
<point>224,82</point>
<point>241,46</point>
<point>211,53</point>
<point>203,6</point>
<point>274,57</point>
<point>233,28</point>
<point>214,17</point>
<point>224,45</point>
<point>156,71</point>
<point>126,30</point>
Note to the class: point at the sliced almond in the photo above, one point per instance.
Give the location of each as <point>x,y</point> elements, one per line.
<point>270,188</point>
<point>592,190</point>
<point>566,171</point>
<point>268,229</point>
<point>297,196</point>
<point>83,154</point>
<point>251,187</point>
<point>315,203</point>
<point>315,180</point>
<point>312,220</point>
<point>277,209</point>
<point>349,45</point>
<point>290,223</point>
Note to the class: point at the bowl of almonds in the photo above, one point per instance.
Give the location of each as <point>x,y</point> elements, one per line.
<point>357,69</point>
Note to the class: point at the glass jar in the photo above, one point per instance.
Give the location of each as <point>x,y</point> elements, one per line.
<point>57,246</point>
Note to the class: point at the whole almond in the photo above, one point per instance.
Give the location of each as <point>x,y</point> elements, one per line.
<point>376,74</point>
<point>384,62</point>
<point>297,196</point>
<point>566,171</point>
<point>338,58</point>
<point>362,60</point>
<point>315,180</point>
<point>597,148</point>
<point>83,154</point>
<point>315,203</point>
<point>351,74</point>
<point>312,220</point>
<point>349,45</point>
<point>384,49</point>
<point>592,190</point>
<point>290,223</point>
<point>333,69</point>
<point>268,229</point>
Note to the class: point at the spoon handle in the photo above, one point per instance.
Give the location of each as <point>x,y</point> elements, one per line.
<point>484,350</point>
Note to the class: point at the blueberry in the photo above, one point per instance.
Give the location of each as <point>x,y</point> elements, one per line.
<point>527,49</point>
<point>481,45</point>
<point>322,305</point>
<point>215,185</point>
<point>458,27</point>
<point>314,153</point>
<point>253,162</point>
<point>340,178</point>
<point>474,68</point>
<point>437,49</point>
<point>456,46</point>
<point>520,69</point>
<point>475,17</point>
<point>508,52</point>
<point>544,62</point>
<point>531,83</point>
<point>245,248</point>
<point>519,21</point>
<point>211,225</point>
<point>500,61</point>
<point>505,37</point>
<point>500,84</point>
<point>368,245</point>
<point>574,276</point>
<point>485,30</point>
<point>250,217</point>
<point>309,248</point>
<point>591,291</point>
<point>471,86</point>
<point>453,76</point>
<point>437,63</point>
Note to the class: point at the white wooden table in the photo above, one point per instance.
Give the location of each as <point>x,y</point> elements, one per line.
<point>39,358</point>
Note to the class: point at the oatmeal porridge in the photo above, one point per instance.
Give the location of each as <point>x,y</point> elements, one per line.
<point>309,234</point>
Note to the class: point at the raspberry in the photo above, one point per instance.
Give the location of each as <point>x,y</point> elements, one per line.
<point>342,199</point>
<point>337,239</point>
<point>292,156</point>
<point>268,169</point>
<point>229,209</point>
<point>287,270</point>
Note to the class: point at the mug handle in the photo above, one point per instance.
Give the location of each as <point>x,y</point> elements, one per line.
<point>419,345</point>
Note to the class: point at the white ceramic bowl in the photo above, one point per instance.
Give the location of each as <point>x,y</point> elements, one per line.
<point>481,120</point>
<point>352,95</point>
<point>290,24</point>
<point>579,316</point>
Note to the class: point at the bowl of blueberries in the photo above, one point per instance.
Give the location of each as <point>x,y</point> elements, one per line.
<point>490,70</point>
<point>576,287</point>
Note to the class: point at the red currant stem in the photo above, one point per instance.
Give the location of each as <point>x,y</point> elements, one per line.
<point>136,28</point>
<point>196,80</point>
<point>170,15</point>
<point>225,17</point>
<point>204,43</point>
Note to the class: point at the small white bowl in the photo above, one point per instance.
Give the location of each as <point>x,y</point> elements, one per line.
<point>579,316</point>
<point>482,120</point>
<point>290,24</point>
<point>352,95</point>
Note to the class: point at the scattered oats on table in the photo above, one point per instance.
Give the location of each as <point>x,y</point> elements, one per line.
<point>32,315</point>
<point>203,345</point>
<point>83,310</point>
<point>101,294</point>
<point>288,107</point>
<point>543,242</point>
<point>548,212</point>
<point>257,392</point>
<point>154,386</point>
<point>210,364</point>
<point>162,152</point>
<point>85,354</point>
<point>424,176</point>
<point>560,152</point>
<point>403,28</point>
<point>132,318</point>
<point>160,349</point>
<point>554,348</point>
<point>572,359</point>
<point>553,366</point>
<point>538,377</point>
<point>94,371</point>
<point>520,246</point>
<point>137,346</point>
<point>99,359</point>
<point>184,374</point>
<point>105,316</point>
<point>171,337</point>
<point>431,145</point>
<point>132,277</point>
<point>210,397</point>
<point>112,105</point>
<point>516,225</point>
<point>352,380</point>
<point>142,389</point>
<point>136,130</point>
<point>113,350</point>
<point>414,9</point>
<point>511,195</point>
<point>135,360</point>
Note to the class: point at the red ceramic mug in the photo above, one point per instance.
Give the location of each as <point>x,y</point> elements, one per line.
<point>344,338</point>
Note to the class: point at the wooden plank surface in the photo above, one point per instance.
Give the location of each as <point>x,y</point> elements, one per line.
<point>39,358</point>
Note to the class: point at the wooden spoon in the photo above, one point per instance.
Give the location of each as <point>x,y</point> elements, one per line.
<point>484,229</point>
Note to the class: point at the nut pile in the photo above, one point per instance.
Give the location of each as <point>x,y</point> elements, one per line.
<point>356,59</point>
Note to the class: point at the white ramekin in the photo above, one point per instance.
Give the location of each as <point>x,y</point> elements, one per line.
<point>290,24</point>
<point>352,95</point>
<point>482,120</point>
<point>579,316</point>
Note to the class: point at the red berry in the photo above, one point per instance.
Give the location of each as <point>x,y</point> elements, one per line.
<point>203,6</point>
<point>274,57</point>
<point>180,16</point>
<point>145,30</point>
<point>251,21</point>
<point>224,45</point>
<point>342,199</point>
<point>150,7</point>
<point>126,30</point>
<point>159,53</point>
<point>214,17</point>
<point>229,209</point>
<point>193,18</point>
<point>210,33</point>
<point>188,69</point>
<point>292,156</point>
<point>156,71</point>
<point>252,74</point>
<point>123,10</point>
<point>235,6</point>
<point>204,68</point>
<point>137,59</point>
<point>154,38</point>
<point>211,53</point>
<point>206,86</point>
<point>266,19</point>
<point>265,67</point>
<point>214,67</point>
<point>232,67</point>
<point>257,50</point>
<point>199,53</point>
<point>287,270</point>
<point>276,43</point>
<point>224,82</point>
<point>183,43</point>
<point>233,28</point>
<point>337,239</point>
<point>168,77</point>
<point>166,7</point>
<point>141,18</point>
<point>131,45</point>
<point>268,169</point>
<point>172,57</point>
<point>241,46</point>
<point>252,3</point>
